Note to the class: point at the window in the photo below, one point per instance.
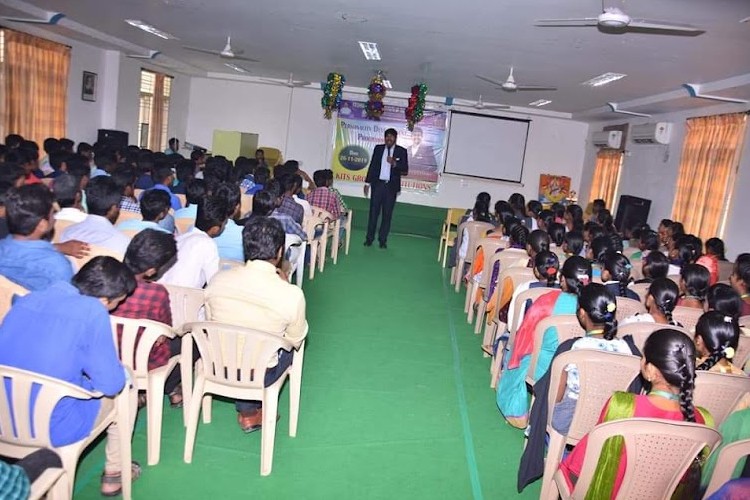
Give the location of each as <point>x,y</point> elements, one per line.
<point>33,86</point>
<point>153,111</point>
<point>708,166</point>
<point>606,176</point>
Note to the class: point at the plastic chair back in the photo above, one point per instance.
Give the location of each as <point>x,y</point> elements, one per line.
<point>136,338</point>
<point>186,303</point>
<point>743,351</point>
<point>745,321</point>
<point>726,462</point>
<point>567,327</point>
<point>475,232</point>
<point>643,330</point>
<point>726,269</point>
<point>719,393</point>
<point>295,255</point>
<point>60,226</point>
<point>128,215</point>
<point>628,307</point>
<point>95,251</point>
<point>518,309</point>
<point>658,454</point>
<point>8,290</point>
<point>641,289</point>
<point>687,316</point>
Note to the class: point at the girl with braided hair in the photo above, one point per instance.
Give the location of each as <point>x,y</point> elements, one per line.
<point>596,314</point>
<point>660,303</point>
<point>546,267</point>
<point>668,366</point>
<point>616,275</point>
<point>694,280</point>
<point>716,337</point>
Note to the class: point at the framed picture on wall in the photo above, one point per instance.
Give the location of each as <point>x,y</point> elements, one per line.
<point>88,87</point>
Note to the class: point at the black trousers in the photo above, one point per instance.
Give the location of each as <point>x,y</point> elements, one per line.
<point>382,200</point>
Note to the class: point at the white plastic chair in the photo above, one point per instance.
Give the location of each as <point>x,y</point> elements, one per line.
<point>8,290</point>
<point>233,364</point>
<point>24,429</point>
<point>658,454</point>
<point>687,316</point>
<point>316,243</point>
<point>719,393</point>
<point>295,255</point>
<point>475,231</point>
<point>348,235</point>
<point>332,232</point>
<point>489,246</point>
<point>95,251</point>
<point>726,462</point>
<point>510,258</point>
<point>52,484</point>
<point>628,307</point>
<point>640,331</point>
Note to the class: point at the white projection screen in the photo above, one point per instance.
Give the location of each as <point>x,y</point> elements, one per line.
<point>486,147</point>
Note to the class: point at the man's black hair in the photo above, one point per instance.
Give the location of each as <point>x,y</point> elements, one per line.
<point>104,277</point>
<point>11,172</point>
<point>26,206</point>
<point>160,173</point>
<point>261,175</point>
<point>263,203</point>
<point>230,192</point>
<point>84,147</point>
<point>262,238</point>
<point>391,131</point>
<point>173,143</point>
<point>212,212</point>
<point>195,190</point>
<point>50,145</point>
<point>13,141</point>
<point>101,195</point>
<point>65,189</point>
<point>185,170</point>
<point>123,177</point>
<point>319,178</point>
<point>153,203</point>
<point>150,249</point>
<point>67,144</point>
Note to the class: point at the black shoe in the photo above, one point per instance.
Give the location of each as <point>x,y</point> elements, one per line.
<point>383,244</point>
<point>368,243</point>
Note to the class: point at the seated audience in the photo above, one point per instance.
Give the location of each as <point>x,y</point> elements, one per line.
<point>616,275</point>
<point>229,242</point>
<point>64,332</point>
<point>724,299</point>
<point>260,178</point>
<point>573,243</point>
<point>185,171</point>
<point>163,177</point>
<point>323,198</point>
<point>660,303</point>
<point>298,196</point>
<point>716,338</point>
<point>669,367</point>
<point>289,225</point>
<point>258,295</point>
<point>197,254</point>
<point>693,286</point>
<point>287,205</point>
<point>149,255</point>
<point>655,266</point>
<point>647,243</point>
<point>740,281</point>
<point>124,179</point>
<point>154,207</point>
<point>103,198</point>
<point>329,182</point>
<point>68,197</point>
<point>195,190</point>
<point>27,258</point>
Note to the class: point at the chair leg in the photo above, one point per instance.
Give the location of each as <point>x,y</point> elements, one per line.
<point>497,362</point>
<point>445,253</point>
<point>206,404</point>
<point>268,431</point>
<point>69,462</point>
<point>59,490</point>
<point>186,373</point>
<point>554,455</point>
<point>336,240</point>
<point>348,231</point>
<point>125,402</point>
<point>440,248</point>
<point>313,258</point>
<point>192,423</point>
<point>481,309</point>
<point>154,413</point>
<point>471,292</point>
<point>295,389</point>
<point>459,270</point>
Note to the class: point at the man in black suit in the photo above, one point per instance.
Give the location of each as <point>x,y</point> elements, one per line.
<point>389,162</point>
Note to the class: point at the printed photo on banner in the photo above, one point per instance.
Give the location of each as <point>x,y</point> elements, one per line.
<point>357,136</point>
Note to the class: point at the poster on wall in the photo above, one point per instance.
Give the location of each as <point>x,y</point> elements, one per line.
<point>553,188</point>
<point>357,136</point>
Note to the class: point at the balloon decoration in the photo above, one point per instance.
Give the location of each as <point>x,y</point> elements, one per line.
<point>415,108</point>
<point>375,92</point>
<point>332,93</point>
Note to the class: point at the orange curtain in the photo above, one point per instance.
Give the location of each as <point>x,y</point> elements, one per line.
<point>710,156</point>
<point>35,93</point>
<point>606,174</point>
<point>157,115</point>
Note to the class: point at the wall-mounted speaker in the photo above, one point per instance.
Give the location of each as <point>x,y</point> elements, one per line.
<point>112,138</point>
<point>631,212</point>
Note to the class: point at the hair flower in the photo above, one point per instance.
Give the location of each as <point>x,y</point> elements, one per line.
<point>551,271</point>
<point>729,352</point>
<point>727,319</point>
<point>611,307</point>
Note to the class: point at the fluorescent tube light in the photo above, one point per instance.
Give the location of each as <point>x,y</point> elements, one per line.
<point>387,84</point>
<point>150,29</point>
<point>370,50</point>
<point>235,67</point>
<point>539,103</point>
<point>604,79</point>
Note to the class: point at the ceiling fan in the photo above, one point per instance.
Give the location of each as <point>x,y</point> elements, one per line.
<point>480,104</point>
<point>615,109</point>
<point>510,85</point>
<point>614,20</point>
<point>150,56</point>
<point>225,53</point>
<point>291,82</point>
<point>51,18</point>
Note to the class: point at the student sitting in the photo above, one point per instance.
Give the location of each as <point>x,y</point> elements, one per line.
<point>289,225</point>
<point>329,182</point>
<point>573,244</point>
<point>647,243</point>
<point>693,286</point>
<point>669,367</point>
<point>616,275</point>
<point>297,196</point>
<point>149,255</point>
<point>26,256</point>
<point>287,205</point>
<point>163,178</point>
<point>197,254</point>
<point>64,332</point>
<point>596,314</point>
<point>556,234</point>
<point>660,303</point>
<point>740,280</point>
<point>68,197</point>
<point>195,191</point>
<point>154,207</point>
<point>103,197</point>
<point>654,266</point>
<point>716,338</point>
<point>185,171</point>
<point>724,299</point>
<point>229,242</point>
<point>124,179</point>
<point>322,197</point>
<point>259,184</point>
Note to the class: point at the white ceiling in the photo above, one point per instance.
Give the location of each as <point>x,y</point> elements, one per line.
<point>443,42</point>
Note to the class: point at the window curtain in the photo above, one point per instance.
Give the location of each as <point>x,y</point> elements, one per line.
<point>606,175</point>
<point>710,156</point>
<point>157,115</point>
<point>35,90</point>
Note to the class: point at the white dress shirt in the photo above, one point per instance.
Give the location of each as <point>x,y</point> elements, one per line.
<point>197,260</point>
<point>97,230</point>
<point>71,214</point>
<point>385,167</point>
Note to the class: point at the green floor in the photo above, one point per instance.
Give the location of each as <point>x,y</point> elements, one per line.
<point>395,401</point>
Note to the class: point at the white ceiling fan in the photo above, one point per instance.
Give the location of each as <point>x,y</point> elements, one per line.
<point>226,53</point>
<point>49,17</point>
<point>615,109</point>
<point>480,104</point>
<point>614,20</point>
<point>291,82</point>
<point>510,85</point>
<point>151,55</point>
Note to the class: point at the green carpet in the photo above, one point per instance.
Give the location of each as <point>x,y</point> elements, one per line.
<point>408,219</point>
<point>395,401</point>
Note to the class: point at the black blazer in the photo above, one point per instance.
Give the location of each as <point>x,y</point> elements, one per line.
<point>400,168</point>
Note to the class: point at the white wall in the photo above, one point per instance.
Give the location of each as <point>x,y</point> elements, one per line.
<point>555,146</point>
<point>650,171</point>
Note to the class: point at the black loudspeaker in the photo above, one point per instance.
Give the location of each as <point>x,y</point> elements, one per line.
<point>631,212</point>
<point>112,138</point>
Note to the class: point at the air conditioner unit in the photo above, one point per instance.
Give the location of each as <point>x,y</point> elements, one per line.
<point>611,139</point>
<point>651,133</point>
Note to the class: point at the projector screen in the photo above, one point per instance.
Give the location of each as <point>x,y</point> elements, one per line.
<point>487,147</point>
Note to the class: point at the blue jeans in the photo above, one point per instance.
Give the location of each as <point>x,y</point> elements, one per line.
<point>272,375</point>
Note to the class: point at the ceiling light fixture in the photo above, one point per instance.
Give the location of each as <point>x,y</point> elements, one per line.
<point>540,102</point>
<point>150,29</point>
<point>235,67</point>
<point>370,50</point>
<point>387,84</point>
<point>604,79</point>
